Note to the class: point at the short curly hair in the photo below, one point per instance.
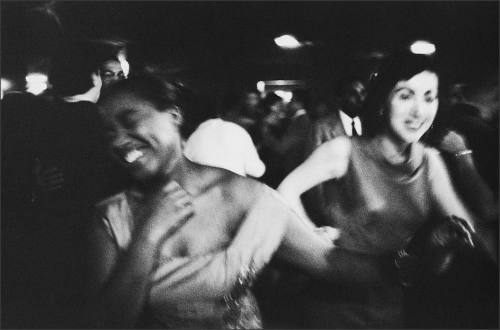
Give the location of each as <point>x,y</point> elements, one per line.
<point>72,67</point>
<point>149,87</point>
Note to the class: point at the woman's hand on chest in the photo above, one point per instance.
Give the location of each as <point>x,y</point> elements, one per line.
<point>212,227</point>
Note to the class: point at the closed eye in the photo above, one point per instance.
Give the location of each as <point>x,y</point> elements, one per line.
<point>129,119</point>
<point>429,98</point>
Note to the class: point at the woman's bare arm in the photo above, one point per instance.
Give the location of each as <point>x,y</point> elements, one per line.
<point>328,161</point>
<point>446,199</point>
<point>306,250</point>
<point>254,244</point>
<point>470,184</point>
<point>303,247</point>
<point>120,282</point>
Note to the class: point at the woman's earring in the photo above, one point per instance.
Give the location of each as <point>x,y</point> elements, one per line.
<point>381,112</point>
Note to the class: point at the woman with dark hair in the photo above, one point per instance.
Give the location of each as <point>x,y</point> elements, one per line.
<point>379,188</point>
<point>181,247</point>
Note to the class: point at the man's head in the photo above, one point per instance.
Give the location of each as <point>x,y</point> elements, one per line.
<point>351,92</point>
<point>75,70</point>
<point>111,71</point>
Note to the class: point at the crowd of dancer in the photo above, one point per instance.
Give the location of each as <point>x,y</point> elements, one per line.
<point>126,205</point>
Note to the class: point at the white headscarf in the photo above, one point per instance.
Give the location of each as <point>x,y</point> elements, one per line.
<point>226,145</point>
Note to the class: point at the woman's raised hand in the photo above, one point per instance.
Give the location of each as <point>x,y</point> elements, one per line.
<point>167,211</point>
<point>452,142</point>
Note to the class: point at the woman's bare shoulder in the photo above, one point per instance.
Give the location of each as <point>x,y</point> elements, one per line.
<point>332,151</point>
<point>231,185</point>
<point>340,144</point>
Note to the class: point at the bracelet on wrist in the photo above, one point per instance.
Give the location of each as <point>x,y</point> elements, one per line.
<point>463,153</point>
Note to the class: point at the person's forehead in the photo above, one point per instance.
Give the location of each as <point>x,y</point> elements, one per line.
<point>112,66</point>
<point>425,79</point>
<point>122,100</point>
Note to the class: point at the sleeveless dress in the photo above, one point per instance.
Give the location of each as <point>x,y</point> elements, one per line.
<point>203,291</point>
<point>377,206</point>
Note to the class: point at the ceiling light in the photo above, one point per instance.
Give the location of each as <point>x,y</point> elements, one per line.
<point>287,41</point>
<point>423,47</point>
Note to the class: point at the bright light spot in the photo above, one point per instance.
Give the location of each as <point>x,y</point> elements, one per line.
<point>286,96</point>
<point>36,78</point>
<point>36,88</point>
<point>261,86</point>
<point>6,85</point>
<point>36,83</point>
<point>287,41</point>
<point>423,47</point>
<point>125,65</point>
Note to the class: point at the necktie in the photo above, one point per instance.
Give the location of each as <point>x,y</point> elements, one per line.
<point>354,132</point>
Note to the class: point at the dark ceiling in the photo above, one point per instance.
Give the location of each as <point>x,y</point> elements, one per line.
<point>236,38</point>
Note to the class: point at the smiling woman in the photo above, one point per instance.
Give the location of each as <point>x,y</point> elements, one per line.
<point>160,247</point>
<point>182,246</point>
<point>380,188</point>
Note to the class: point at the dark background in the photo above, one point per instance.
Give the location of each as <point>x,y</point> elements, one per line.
<point>215,46</point>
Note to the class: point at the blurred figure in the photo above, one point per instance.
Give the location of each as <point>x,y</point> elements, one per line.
<point>275,124</point>
<point>322,108</point>
<point>470,125</point>
<point>476,119</point>
<point>182,246</point>
<point>111,72</point>
<point>448,284</point>
<point>24,295</point>
<point>226,145</point>
<point>289,148</point>
<point>379,189</point>
<point>456,93</point>
<point>226,102</point>
<point>341,121</point>
<point>483,138</point>
<point>275,120</point>
<point>74,169</point>
<point>484,94</point>
<point>247,113</point>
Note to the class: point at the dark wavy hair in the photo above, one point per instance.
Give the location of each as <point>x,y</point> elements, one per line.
<point>162,94</point>
<point>394,68</point>
<point>149,87</point>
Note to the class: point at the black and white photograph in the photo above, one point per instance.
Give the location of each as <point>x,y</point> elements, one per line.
<point>249,164</point>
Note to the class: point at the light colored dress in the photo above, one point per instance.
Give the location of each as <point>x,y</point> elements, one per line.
<point>203,291</point>
<point>378,206</point>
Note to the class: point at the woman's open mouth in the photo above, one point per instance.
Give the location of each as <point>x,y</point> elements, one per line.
<point>129,155</point>
<point>413,126</point>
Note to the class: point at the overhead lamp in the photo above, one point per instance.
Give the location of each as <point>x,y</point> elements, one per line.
<point>36,83</point>
<point>261,86</point>
<point>423,47</point>
<point>285,95</point>
<point>287,41</point>
<point>5,86</point>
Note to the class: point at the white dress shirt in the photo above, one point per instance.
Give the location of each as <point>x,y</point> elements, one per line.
<point>347,122</point>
